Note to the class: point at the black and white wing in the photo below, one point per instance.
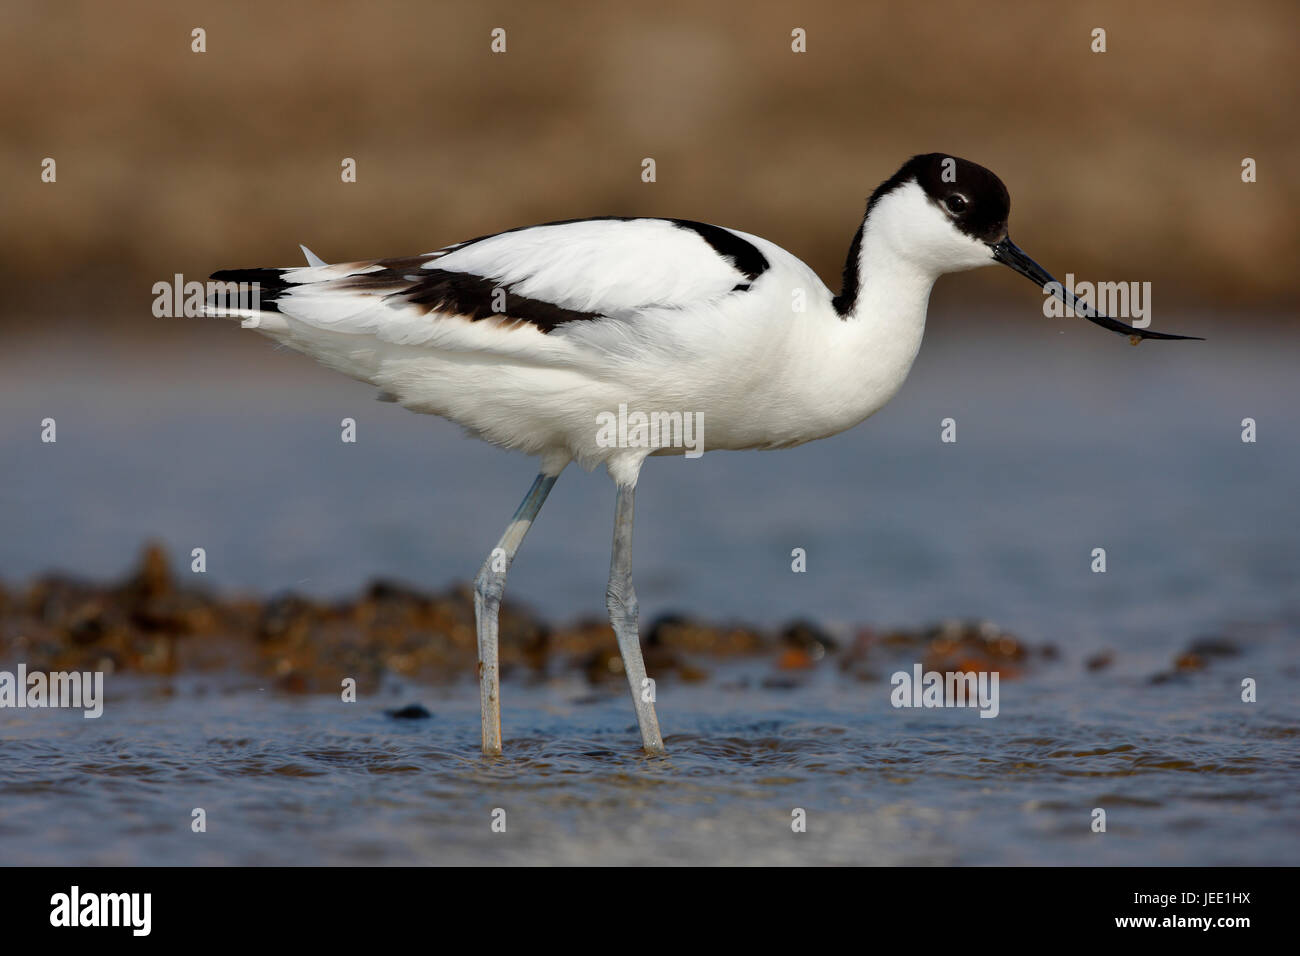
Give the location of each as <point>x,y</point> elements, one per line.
<point>541,278</point>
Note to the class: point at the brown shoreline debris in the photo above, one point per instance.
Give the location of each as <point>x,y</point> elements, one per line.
<point>152,623</point>
<point>1197,656</point>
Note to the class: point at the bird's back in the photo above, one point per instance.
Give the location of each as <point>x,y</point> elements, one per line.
<point>525,336</point>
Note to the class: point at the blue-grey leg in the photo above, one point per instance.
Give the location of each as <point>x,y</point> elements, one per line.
<point>489,585</point>
<point>620,598</point>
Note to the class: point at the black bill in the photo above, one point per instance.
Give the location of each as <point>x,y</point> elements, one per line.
<point>1010,254</point>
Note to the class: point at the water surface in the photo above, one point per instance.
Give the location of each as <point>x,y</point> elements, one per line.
<point>1068,440</point>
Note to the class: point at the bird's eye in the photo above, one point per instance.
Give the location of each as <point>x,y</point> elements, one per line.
<point>956,203</point>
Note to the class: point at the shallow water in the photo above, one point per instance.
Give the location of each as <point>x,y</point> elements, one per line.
<point>1066,441</point>
<point>1185,775</point>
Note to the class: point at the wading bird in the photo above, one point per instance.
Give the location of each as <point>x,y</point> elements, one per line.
<point>533,337</point>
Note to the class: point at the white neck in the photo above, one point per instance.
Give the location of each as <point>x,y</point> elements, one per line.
<point>864,340</point>
<point>893,288</point>
<point>879,334</point>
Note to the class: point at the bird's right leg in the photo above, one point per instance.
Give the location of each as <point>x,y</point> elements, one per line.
<point>489,585</point>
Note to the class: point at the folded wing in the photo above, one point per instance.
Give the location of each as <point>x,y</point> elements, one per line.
<point>540,278</point>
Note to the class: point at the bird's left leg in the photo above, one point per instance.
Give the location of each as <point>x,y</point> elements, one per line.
<point>489,585</point>
<point>620,598</point>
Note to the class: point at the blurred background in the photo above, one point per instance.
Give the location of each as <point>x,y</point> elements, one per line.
<point>1123,166</point>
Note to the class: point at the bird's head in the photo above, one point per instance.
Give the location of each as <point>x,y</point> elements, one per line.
<point>945,214</point>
